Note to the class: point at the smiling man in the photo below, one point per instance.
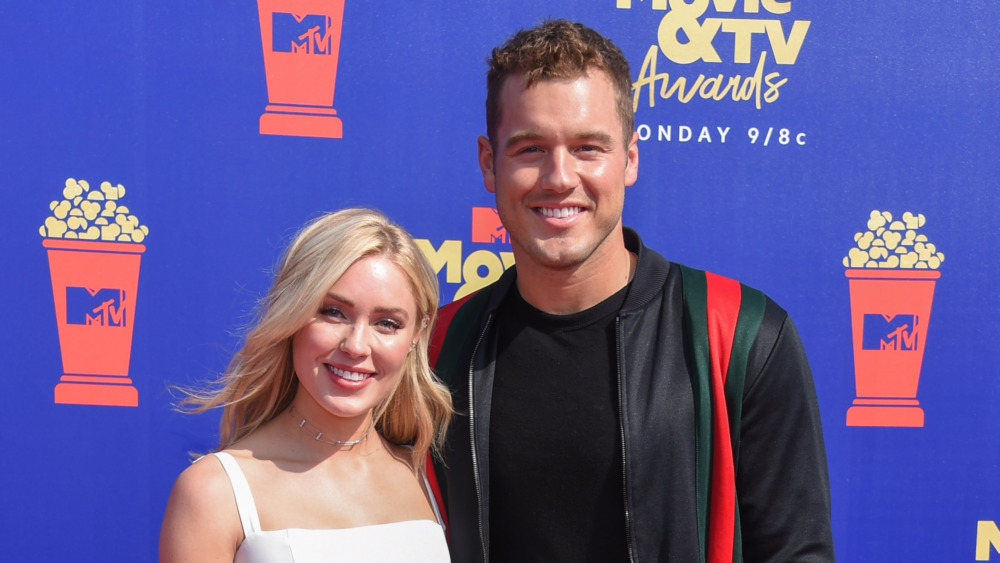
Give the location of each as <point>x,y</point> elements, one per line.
<point>613,405</point>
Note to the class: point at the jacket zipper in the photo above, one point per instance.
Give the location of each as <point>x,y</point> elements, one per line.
<point>472,437</point>
<point>621,430</point>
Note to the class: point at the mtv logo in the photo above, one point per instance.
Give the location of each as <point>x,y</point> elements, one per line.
<point>890,332</point>
<point>308,34</point>
<point>101,307</point>
<point>486,226</point>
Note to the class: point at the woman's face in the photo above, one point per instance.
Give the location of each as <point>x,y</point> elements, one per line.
<point>350,356</point>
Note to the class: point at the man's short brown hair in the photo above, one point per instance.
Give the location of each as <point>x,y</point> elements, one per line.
<point>557,49</point>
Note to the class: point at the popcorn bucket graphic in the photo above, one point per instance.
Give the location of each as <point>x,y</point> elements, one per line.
<point>890,314</point>
<point>94,287</point>
<point>301,43</point>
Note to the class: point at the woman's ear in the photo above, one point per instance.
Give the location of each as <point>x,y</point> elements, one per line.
<point>416,337</point>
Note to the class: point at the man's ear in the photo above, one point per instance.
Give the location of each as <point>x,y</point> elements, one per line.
<point>632,160</point>
<point>486,163</point>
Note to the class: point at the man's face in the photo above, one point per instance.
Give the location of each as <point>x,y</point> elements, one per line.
<point>560,170</point>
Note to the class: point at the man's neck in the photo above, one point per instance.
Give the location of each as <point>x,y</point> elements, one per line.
<point>571,290</point>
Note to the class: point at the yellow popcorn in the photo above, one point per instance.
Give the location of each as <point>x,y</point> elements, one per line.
<point>90,209</point>
<point>112,192</point>
<point>61,209</point>
<point>76,223</point>
<point>72,189</point>
<point>878,253</point>
<point>856,258</point>
<point>890,262</point>
<point>875,221</point>
<point>892,239</point>
<point>88,214</point>
<point>54,226</point>
<point>110,232</point>
<point>913,221</point>
<point>892,244</point>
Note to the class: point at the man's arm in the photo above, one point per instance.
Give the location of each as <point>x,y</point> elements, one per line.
<point>782,483</point>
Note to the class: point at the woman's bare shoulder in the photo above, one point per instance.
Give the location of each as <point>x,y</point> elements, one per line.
<point>204,478</point>
<point>201,519</point>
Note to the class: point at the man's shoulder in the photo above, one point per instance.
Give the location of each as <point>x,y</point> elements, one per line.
<point>447,312</point>
<point>457,321</point>
<point>704,294</point>
<point>656,276</point>
<point>726,288</point>
<point>477,301</point>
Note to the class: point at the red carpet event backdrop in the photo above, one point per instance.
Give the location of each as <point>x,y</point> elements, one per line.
<point>158,156</point>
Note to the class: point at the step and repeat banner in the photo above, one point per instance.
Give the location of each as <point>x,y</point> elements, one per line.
<point>157,157</point>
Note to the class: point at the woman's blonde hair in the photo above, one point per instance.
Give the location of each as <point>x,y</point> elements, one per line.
<point>260,381</point>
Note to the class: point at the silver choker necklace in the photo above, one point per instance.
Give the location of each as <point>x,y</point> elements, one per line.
<point>317,434</point>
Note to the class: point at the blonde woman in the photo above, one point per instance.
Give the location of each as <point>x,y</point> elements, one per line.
<point>329,410</point>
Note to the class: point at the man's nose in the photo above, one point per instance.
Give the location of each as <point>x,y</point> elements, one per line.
<point>560,172</point>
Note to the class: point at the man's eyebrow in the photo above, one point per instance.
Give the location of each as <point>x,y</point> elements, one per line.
<point>599,136</point>
<point>522,136</point>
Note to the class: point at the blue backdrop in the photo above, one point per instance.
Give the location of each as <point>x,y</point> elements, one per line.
<point>770,132</point>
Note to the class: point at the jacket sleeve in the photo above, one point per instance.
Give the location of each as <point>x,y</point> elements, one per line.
<point>782,482</point>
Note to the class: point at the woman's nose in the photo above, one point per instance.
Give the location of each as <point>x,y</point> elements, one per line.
<point>355,342</point>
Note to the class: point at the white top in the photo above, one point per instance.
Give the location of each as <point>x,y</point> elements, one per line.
<point>412,540</point>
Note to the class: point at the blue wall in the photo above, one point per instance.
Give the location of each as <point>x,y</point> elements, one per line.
<point>875,107</point>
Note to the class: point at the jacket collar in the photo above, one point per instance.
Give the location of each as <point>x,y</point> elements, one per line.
<point>650,275</point>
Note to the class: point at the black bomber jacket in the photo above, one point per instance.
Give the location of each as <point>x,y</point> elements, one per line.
<point>780,461</point>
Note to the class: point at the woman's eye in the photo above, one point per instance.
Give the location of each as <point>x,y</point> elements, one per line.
<point>388,325</point>
<point>332,312</point>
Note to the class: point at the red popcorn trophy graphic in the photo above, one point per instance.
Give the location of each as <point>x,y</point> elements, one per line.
<point>93,246</point>
<point>301,43</point>
<point>891,273</point>
<point>487,227</point>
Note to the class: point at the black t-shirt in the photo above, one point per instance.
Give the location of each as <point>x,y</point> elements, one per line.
<point>556,472</point>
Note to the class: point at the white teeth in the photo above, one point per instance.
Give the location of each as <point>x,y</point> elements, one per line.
<point>561,212</point>
<point>350,375</point>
